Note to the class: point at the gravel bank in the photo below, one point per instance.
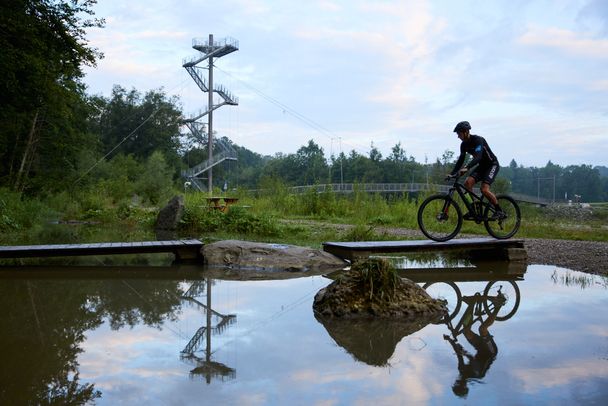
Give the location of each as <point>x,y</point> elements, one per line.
<point>584,256</point>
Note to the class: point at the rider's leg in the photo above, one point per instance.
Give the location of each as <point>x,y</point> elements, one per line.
<point>469,183</point>
<point>485,190</point>
<point>487,179</point>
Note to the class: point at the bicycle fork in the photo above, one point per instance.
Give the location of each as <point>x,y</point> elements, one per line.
<point>446,207</point>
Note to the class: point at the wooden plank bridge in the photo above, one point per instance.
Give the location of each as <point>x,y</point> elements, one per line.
<point>182,249</point>
<point>488,248</point>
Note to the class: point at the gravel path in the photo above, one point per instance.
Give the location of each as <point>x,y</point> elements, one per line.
<point>584,256</point>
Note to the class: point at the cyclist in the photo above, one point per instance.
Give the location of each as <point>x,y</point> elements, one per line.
<point>487,166</point>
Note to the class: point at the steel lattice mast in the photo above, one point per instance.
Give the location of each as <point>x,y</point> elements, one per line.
<point>208,50</point>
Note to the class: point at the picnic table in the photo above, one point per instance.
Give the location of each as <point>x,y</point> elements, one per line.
<point>221,203</point>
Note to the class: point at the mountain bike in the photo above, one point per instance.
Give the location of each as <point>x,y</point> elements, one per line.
<point>440,217</point>
<point>496,293</point>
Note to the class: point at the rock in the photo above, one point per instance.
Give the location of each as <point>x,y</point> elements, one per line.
<point>236,256</point>
<point>372,289</point>
<point>372,341</point>
<point>170,215</point>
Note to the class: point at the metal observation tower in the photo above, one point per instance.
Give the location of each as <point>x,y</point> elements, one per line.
<point>203,132</point>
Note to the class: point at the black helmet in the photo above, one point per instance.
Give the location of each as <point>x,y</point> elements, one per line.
<point>463,125</point>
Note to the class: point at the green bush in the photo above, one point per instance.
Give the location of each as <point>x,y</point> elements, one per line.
<point>20,213</point>
<point>360,232</point>
<point>155,183</point>
<point>198,218</point>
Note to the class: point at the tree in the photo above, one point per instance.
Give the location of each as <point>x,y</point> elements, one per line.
<point>43,51</point>
<point>128,123</point>
<point>311,163</point>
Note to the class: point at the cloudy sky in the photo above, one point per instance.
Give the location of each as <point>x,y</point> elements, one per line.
<point>530,75</point>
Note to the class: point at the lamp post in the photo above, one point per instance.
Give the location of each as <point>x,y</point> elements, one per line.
<point>538,186</point>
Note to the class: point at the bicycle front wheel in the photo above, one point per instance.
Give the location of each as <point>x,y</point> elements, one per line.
<point>506,227</point>
<point>439,218</point>
<point>447,292</point>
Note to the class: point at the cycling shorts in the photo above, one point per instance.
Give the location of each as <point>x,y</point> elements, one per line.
<point>486,173</point>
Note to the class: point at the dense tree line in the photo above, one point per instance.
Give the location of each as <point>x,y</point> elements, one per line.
<point>308,166</point>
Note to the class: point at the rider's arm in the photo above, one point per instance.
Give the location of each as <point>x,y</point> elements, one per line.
<point>459,162</point>
<point>477,155</point>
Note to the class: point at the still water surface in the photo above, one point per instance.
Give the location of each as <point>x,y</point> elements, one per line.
<point>151,341</point>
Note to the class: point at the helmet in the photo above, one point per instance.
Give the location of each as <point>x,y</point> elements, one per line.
<point>463,125</point>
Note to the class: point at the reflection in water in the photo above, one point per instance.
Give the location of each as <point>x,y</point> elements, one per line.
<point>498,301</point>
<point>39,356</point>
<point>206,366</point>
<point>113,341</point>
<point>43,324</point>
<point>372,341</point>
<point>584,281</point>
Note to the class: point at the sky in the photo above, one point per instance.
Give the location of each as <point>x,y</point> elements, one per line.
<point>531,76</point>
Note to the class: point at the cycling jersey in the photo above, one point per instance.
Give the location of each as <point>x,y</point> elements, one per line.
<point>479,149</point>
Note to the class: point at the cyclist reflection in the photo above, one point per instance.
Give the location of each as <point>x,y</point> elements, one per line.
<point>474,367</point>
<point>499,302</point>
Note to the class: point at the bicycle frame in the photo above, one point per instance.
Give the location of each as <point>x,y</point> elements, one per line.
<point>463,192</point>
<point>475,303</point>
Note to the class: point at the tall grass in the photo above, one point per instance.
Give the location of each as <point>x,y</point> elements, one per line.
<point>367,211</point>
<point>256,217</point>
<point>358,207</point>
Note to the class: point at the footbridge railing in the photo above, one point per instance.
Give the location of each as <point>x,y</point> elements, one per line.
<point>401,188</point>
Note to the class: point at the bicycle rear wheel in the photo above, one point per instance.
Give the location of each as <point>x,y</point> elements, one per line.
<point>439,218</point>
<point>506,227</point>
<point>504,294</point>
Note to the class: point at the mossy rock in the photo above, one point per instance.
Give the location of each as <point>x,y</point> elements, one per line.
<point>373,289</point>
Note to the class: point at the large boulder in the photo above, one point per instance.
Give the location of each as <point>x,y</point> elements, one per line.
<point>254,260</point>
<point>170,215</point>
<point>373,289</point>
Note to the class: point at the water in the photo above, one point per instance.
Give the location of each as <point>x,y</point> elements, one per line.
<point>128,340</point>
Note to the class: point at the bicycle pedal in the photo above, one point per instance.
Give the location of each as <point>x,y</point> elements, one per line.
<point>469,216</point>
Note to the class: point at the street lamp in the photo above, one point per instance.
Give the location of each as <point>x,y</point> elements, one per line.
<point>538,187</point>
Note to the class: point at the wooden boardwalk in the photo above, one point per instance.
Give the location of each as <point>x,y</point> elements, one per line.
<point>490,247</point>
<point>182,249</point>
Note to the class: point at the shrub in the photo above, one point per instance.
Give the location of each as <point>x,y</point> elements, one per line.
<point>199,218</point>
<point>360,232</point>
<point>20,213</point>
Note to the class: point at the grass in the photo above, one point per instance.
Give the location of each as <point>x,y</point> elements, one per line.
<point>308,219</point>
<point>311,218</point>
